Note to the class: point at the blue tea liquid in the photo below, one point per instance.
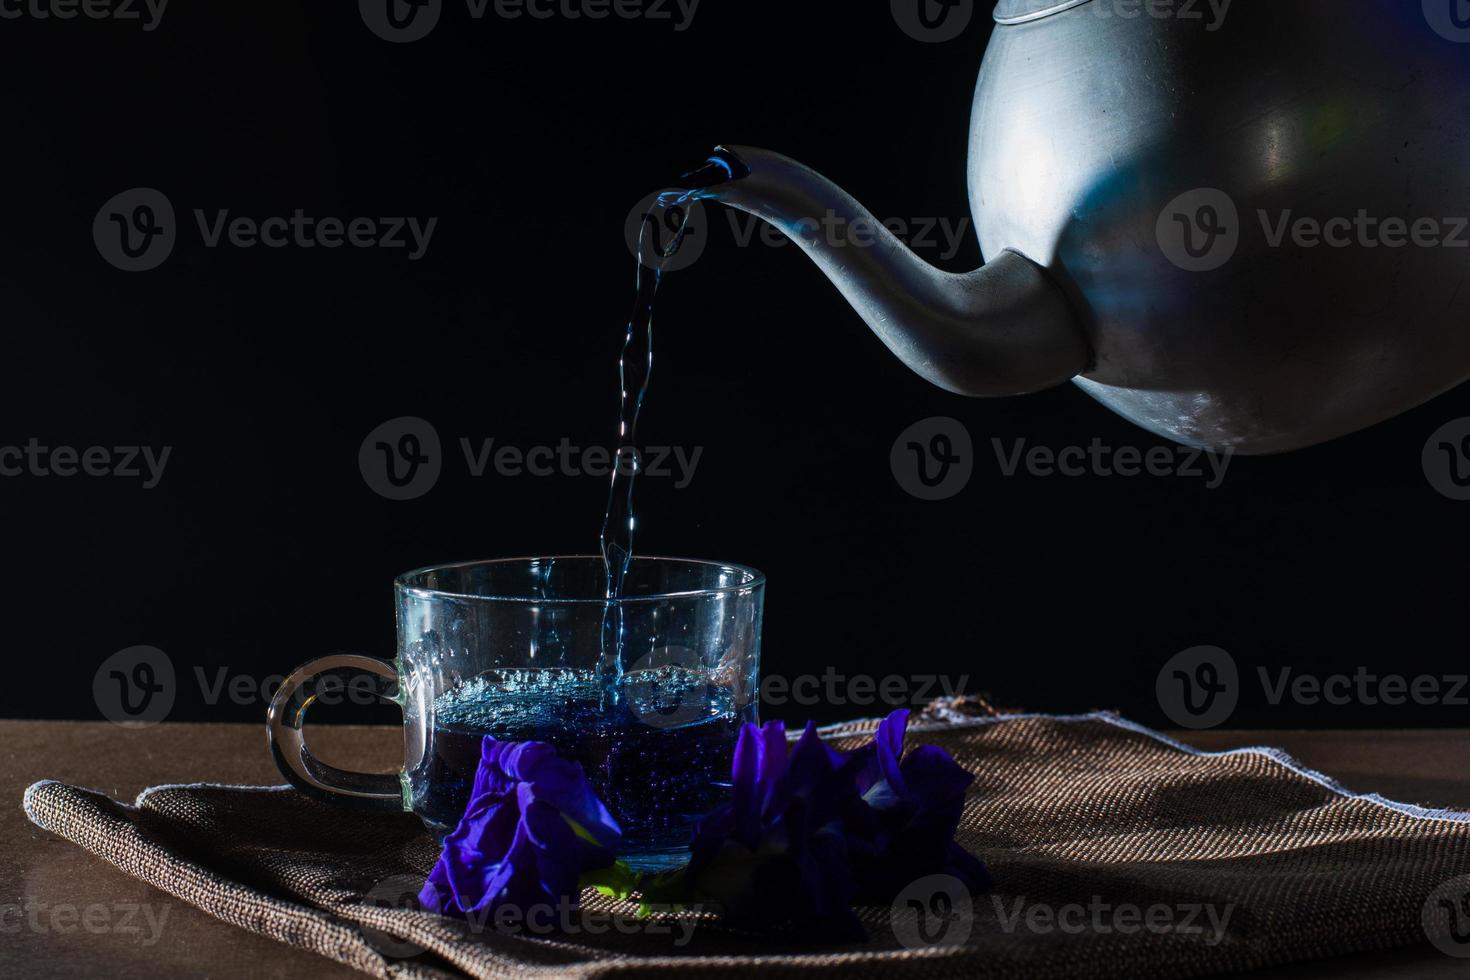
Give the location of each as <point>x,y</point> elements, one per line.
<point>659,757</point>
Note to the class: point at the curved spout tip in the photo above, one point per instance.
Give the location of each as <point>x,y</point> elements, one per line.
<point>722,166</point>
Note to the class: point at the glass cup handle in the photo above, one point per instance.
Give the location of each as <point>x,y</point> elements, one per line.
<point>372,791</point>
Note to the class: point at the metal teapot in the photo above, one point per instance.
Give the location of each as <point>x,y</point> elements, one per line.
<point>1242,233</point>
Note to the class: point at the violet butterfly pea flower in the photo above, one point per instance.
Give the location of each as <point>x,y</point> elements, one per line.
<point>532,828</point>
<point>917,801</point>
<point>777,852</point>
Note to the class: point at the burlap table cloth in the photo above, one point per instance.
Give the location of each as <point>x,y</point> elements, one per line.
<point>1116,853</point>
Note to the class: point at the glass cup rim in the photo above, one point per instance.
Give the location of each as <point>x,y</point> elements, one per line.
<point>404,583</point>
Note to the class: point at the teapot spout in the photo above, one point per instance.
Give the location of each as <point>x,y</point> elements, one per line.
<point>1004,329</point>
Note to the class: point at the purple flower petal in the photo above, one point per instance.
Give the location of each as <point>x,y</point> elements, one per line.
<point>532,827</point>
<point>772,755</point>
<point>491,777</point>
<point>931,776</point>
<point>888,743</point>
<point>777,852</point>
<point>916,802</point>
<point>760,752</point>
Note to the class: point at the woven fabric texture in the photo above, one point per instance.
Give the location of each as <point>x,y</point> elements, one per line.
<point>1116,853</point>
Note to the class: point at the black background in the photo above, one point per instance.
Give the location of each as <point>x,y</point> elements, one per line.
<point>264,370</point>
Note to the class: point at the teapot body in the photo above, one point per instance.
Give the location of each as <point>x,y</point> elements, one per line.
<point>1261,220</point>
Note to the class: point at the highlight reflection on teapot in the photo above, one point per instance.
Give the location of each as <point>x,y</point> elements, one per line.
<point>1239,235</point>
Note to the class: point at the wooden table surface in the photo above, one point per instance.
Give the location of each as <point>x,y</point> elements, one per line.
<point>64,913</point>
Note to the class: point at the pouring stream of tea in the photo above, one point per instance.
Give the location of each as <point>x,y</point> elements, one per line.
<point>635,366</point>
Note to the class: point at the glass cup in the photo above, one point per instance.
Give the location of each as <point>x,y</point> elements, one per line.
<point>647,693</point>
